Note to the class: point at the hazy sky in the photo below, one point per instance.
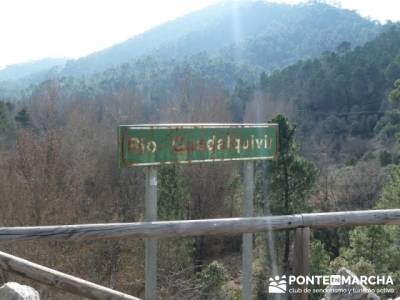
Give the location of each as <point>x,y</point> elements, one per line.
<point>31,30</point>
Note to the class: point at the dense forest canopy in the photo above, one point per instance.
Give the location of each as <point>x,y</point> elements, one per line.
<point>241,32</point>
<point>258,33</point>
<point>327,76</point>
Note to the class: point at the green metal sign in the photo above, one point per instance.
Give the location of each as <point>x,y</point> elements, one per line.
<point>144,145</point>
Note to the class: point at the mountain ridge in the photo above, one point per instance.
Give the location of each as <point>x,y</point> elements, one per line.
<point>261,34</point>
<point>21,70</point>
<point>221,29</point>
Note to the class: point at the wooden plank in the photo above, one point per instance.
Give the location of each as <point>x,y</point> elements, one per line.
<point>351,218</point>
<point>231,226</point>
<point>301,257</point>
<point>160,229</point>
<point>59,280</point>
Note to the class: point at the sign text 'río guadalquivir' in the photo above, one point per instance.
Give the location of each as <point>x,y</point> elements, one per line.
<point>186,143</point>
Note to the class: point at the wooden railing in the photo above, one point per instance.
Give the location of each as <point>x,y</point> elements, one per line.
<point>167,229</point>
<point>58,279</point>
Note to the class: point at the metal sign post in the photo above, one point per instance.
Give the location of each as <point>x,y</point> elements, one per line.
<point>151,244</point>
<point>247,247</point>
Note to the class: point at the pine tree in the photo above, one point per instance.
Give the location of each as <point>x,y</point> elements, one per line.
<point>5,122</point>
<point>375,250</point>
<point>23,118</point>
<point>291,180</point>
<point>394,95</point>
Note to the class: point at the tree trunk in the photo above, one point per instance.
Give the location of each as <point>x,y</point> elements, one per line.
<point>198,253</point>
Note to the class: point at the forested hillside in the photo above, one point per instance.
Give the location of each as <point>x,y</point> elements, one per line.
<point>258,33</point>
<point>339,147</point>
<point>342,95</point>
<point>18,71</point>
<point>14,79</point>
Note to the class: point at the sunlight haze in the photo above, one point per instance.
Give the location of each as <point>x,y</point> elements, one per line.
<point>200,149</point>
<point>32,30</point>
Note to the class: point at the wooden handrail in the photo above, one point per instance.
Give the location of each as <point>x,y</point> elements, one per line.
<point>161,230</point>
<point>231,226</point>
<point>59,280</point>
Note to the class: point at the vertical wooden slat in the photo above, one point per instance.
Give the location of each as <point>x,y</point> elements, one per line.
<point>301,257</point>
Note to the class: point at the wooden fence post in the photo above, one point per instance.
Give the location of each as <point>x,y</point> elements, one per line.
<point>301,257</point>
